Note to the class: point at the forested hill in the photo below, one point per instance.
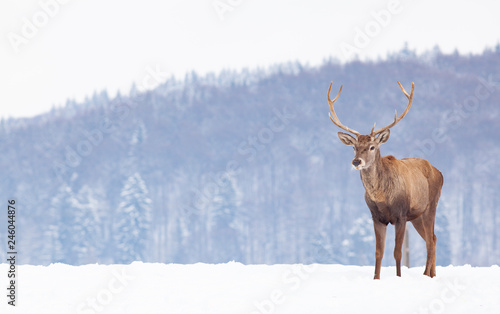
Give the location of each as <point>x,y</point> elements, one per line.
<point>247,166</point>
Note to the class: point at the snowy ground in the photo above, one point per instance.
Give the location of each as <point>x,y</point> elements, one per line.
<point>236,288</point>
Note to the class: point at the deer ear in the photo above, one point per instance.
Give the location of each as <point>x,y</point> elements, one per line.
<point>384,136</point>
<point>347,138</point>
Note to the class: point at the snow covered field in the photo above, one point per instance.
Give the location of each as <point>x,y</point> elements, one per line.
<point>237,288</point>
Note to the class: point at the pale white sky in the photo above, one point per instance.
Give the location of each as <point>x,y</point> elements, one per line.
<point>52,50</point>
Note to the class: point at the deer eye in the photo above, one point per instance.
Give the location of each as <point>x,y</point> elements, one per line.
<point>372,147</point>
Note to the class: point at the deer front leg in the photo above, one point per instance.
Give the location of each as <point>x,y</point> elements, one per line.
<point>380,232</point>
<point>400,235</point>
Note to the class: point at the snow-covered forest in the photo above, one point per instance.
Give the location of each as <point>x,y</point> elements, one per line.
<point>247,166</point>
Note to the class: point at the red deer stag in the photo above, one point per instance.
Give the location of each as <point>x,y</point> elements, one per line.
<point>396,190</point>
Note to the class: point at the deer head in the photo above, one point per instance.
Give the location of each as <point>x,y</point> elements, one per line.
<point>366,147</point>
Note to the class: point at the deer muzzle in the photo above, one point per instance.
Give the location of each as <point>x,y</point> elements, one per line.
<point>358,163</point>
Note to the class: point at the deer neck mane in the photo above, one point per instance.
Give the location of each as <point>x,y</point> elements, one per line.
<point>376,179</point>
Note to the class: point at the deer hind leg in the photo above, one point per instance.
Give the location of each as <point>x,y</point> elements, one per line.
<point>433,265</point>
<point>380,232</point>
<point>426,231</point>
<point>429,218</point>
<point>400,235</point>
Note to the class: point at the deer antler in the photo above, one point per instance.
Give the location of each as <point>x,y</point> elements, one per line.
<point>396,119</point>
<point>335,119</point>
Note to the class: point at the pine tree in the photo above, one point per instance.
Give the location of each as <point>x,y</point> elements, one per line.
<point>134,155</point>
<point>87,244</point>
<point>441,229</point>
<point>71,233</point>
<point>51,252</point>
<point>226,225</point>
<point>361,240</point>
<point>131,229</point>
<point>59,232</point>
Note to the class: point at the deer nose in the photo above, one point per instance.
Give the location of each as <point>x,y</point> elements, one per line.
<point>356,162</point>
